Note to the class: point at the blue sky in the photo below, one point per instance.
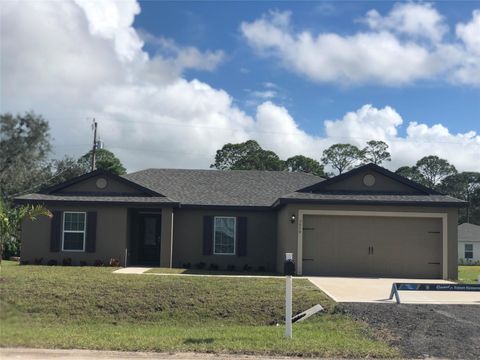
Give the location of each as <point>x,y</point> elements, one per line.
<point>216,25</point>
<point>171,82</point>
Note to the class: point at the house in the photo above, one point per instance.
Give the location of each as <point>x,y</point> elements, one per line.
<point>468,243</point>
<point>366,222</point>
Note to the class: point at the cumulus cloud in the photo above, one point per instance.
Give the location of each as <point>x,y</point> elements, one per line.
<point>70,60</point>
<point>391,52</point>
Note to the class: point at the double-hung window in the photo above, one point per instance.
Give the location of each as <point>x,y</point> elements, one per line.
<point>224,237</point>
<point>468,251</point>
<point>74,226</point>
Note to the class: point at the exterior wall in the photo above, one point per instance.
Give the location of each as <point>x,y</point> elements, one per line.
<point>288,232</point>
<point>89,186</point>
<point>261,239</point>
<point>111,239</point>
<point>461,251</point>
<point>382,183</point>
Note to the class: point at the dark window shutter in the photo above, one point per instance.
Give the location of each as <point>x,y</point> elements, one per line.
<point>56,231</point>
<point>241,236</point>
<point>91,231</point>
<point>207,235</point>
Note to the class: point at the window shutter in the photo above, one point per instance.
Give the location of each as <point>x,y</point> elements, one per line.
<point>241,236</point>
<point>91,231</point>
<point>207,235</point>
<point>56,231</point>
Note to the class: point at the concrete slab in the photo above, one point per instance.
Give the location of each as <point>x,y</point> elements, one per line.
<point>132,270</point>
<point>377,290</point>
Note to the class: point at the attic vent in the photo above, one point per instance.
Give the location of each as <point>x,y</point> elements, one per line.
<point>369,180</point>
<point>101,183</point>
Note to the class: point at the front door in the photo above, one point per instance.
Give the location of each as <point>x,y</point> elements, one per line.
<point>149,238</point>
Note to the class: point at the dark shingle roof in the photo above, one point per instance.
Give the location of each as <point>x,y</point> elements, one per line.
<point>222,188</point>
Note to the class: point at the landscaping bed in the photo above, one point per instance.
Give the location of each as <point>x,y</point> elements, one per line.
<point>91,308</point>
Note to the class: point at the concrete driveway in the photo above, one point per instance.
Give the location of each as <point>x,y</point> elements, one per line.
<point>377,290</point>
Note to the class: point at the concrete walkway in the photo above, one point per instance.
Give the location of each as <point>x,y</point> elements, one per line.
<point>377,290</point>
<point>47,354</point>
<point>132,270</point>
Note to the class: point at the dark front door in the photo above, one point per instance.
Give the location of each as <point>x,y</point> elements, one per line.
<point>148,240</point>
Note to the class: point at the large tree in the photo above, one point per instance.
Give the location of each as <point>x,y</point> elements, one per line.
<point>342,157</point>
<point>300,163</point>
<point>248,155</point>
<point>411,173</point>
<point>465,186</point>
<point>104,159</point>
<point>434,170</point>
<point>376,152</point>
<point>25,147</point>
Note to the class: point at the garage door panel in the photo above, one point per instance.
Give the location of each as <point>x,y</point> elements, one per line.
<point>401,247</point>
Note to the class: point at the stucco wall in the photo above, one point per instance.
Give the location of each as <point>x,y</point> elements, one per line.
<point>288,232</point>
<point>188,239</point>
<point>111,239</point>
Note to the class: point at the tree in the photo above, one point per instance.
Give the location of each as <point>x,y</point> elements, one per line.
<point>11,219</point>
<point>411,173</point>
<point>434,170</point>
<point>342,157</point>
<point>104,160</point>
<point>300,163</point>
<point>248,155</point>
<point>66,169</point>
<point>25,146</point>
<point>465,186</point>
<point>376,152</point>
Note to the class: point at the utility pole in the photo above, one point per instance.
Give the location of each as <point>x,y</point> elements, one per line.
<point>94,143</point>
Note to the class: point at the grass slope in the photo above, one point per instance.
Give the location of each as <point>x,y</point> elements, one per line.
<point>468,274</point>
<point>72,307</point>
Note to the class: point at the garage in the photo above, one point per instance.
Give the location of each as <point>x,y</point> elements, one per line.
<point>366,245</point>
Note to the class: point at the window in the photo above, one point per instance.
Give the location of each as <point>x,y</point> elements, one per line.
<point>224,236</point>
<point>468,251</point>
<point>74,226</point>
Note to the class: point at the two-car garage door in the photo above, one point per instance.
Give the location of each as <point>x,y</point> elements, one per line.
<point>372,246</point>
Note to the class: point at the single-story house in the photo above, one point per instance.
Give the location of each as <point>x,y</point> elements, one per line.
<point>366,222</point>
<point>468,243</point>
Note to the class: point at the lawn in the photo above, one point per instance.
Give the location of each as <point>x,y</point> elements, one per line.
<point>91,308</point>
<point>468,274</point>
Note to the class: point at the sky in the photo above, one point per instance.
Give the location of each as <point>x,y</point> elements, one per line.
<point>169,83</point>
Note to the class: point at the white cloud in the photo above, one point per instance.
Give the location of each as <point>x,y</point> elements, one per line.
<point>66,62</point>
<point>391,52</point>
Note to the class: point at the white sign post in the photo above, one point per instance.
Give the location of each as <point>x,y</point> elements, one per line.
<point>288,301</point>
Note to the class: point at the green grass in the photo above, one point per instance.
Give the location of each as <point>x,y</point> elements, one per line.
<point>208,272</point>
<point>468,274</point>
<point>91,308</point>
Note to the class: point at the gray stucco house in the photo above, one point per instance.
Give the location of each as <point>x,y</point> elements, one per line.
<point>367,222</point>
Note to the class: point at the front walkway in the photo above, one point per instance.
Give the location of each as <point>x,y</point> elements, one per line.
<point>377,290</point>
<point>132,270</point>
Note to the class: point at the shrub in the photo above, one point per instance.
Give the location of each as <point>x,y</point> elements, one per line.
<point>83,263</point>
<point>262,268</point>
<point>23,262</point>
<point>114,262</point>
<point>67,262</point>
<point>247,268</point>
<point>52,262</point>
<point>200,265</point>
<point>38,261</point>
<point>213,267</point>
<point>231,267</point>
<point>98,263</point>
<point>186,265</point>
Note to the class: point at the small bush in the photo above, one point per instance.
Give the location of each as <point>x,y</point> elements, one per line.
<point>52,262</point>
<point>213,267</point>
<point>200,265</point>
<point>23,262</point>
<point>247,268</point>
<point>186,265</point>
<point>231,267</point>
<point>38,261</point>
<point>67,262</point>
<point>83,263</point>
<point>114,262</point>
<point>98,263</point>
<point>262,268</point>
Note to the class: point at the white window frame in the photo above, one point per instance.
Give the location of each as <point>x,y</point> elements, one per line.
<point>234,234</point>
<point>84,231</point>
<point>465,251</point>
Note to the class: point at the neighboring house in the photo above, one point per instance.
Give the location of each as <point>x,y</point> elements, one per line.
<point>468,243</point>
<point>367,222</point>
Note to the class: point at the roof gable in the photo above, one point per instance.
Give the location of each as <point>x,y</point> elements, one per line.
<point>370,179</point>
<point>100,182</point>
<point>469,232</point>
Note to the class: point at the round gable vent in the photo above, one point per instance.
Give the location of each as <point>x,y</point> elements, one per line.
<point>369,180</point>
<point>101,183</point>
